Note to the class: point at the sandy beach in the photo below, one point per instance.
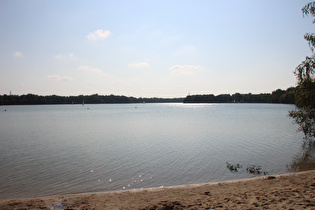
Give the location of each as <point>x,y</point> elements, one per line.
<point>288,191</point>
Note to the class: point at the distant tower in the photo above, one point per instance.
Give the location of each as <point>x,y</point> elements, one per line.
<point>10,93</point>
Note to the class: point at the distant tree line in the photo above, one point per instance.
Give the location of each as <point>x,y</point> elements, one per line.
<point>277,96</point>
<point>31,99</point>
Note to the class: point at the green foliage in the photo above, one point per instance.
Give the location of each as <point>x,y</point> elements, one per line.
<point>304,114</point>
<point>305,118</point>
<point>310,38</point>
<point>31,99</point>
<point>309,9</point>
<point>305,71</point>
<point>277,96</point>
<point>252,169</point>
<point>256,170</point>
<point>233,168</point>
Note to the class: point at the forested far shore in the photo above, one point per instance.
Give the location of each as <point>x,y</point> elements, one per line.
<point>31,99</point>
<point>277,96</point>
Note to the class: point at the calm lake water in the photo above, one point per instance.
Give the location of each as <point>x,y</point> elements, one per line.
<point>61,149</point>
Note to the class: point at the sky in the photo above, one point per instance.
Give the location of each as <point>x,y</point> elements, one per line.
<point>146,48</point>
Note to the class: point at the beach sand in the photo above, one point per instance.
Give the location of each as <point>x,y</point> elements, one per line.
<point>288,191</point>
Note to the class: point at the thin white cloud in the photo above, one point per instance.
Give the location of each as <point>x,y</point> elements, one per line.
<point>90,69</point>
<point>176,67</point>
<point>181,72</point>
<point>59,78</point>
<point>98,35</point>
<point>139,65</point>
<point>70,56</point>
<point>95,71</point>
<point>58,56</point>
<point>184,69</point>
<point>17,54</point>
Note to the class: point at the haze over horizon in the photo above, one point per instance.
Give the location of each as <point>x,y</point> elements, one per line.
<point>150,48</point>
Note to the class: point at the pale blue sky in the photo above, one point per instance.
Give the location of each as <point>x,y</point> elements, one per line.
<point>150,48</point>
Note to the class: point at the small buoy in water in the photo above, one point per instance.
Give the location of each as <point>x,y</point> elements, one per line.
<point>135,107</point>
<point>5,110</point>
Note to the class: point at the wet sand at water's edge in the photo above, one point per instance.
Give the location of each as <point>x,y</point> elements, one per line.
<point>295,191</point>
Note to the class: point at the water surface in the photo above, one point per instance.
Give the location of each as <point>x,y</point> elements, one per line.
<point>60,149</point>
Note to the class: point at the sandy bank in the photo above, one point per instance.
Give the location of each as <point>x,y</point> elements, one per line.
<point>295,191</point>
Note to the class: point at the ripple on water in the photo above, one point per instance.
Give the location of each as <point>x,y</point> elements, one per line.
<point>48,150</point>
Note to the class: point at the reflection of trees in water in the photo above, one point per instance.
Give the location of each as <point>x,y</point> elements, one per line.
<point>306,159</point>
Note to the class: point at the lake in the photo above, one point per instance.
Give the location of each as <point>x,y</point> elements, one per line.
<point>61,149</point>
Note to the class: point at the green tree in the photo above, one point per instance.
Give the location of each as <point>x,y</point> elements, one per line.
<point>304,113</point>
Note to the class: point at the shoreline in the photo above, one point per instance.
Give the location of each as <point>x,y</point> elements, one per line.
<point>152,188</point>
<point>292,190</point>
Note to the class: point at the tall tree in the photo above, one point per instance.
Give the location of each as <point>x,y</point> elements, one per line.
<point>304,113</point>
